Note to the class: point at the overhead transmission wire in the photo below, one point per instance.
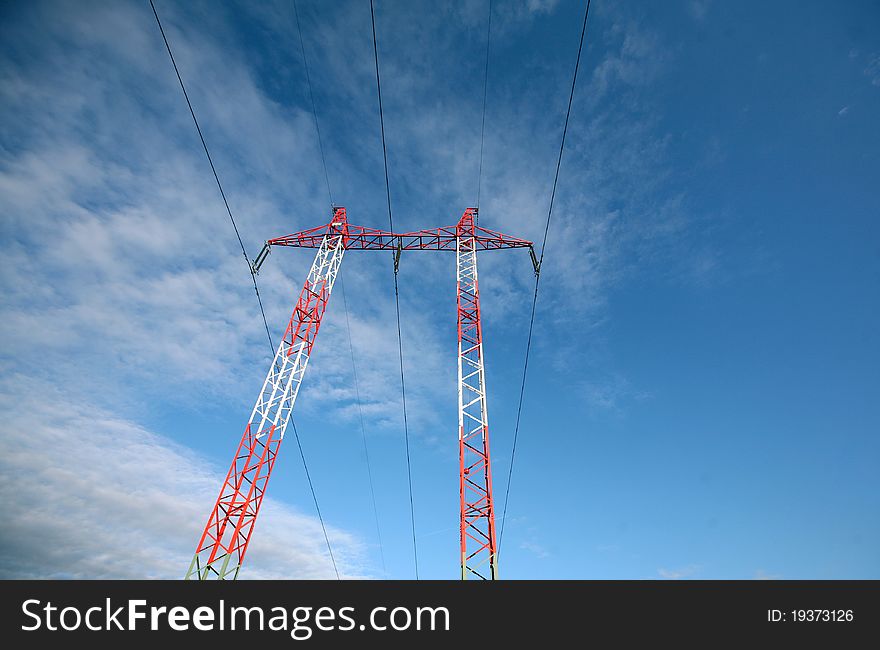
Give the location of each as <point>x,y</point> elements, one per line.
<point>538,277</point>
<point>314,496</point>
<point>344,299</point>
<point>357,391</point>
<point>483,121</point>
<point>396,296</point>
<point>250,266</point>
<point>216,177</point>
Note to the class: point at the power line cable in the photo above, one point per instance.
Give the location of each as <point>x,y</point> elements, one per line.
<point>216,177</point>
<point>250,266</point>
<point>314,497</point>
<point>538,277</point>
<point>396,295</point>
<point>412,511</point>
<point>357,391</point>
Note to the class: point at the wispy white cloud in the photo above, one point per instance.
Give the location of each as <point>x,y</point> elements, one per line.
<point>611,394</point>
<point>690,571</point>
<point>542,6</point>
<point>872,70</point>
<point>699,9</point>
<point>535,549</point>
<point>91,495</point>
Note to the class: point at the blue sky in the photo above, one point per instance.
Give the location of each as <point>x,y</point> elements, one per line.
<point>703,391</point>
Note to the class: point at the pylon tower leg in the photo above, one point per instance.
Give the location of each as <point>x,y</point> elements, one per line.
<point>478,550</point>
<point>224,542</point>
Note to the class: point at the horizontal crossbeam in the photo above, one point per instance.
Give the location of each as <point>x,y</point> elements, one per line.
<point>436,239</point>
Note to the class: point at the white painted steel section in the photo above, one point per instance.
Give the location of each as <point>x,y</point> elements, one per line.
<point>278,395</point>
<point>472,408</point>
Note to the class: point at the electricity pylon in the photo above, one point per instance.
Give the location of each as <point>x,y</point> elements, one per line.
<point>224,542</point>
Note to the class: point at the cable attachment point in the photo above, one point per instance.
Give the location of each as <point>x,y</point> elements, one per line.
<point>255,267</point>
<point>535,261</point>
<point>397,253</point>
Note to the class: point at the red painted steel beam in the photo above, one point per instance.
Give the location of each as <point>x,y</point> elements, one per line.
<point>435,239</point>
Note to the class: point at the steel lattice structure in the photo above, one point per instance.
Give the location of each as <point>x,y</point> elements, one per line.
<point>224,542</point>
<point>478,551</point>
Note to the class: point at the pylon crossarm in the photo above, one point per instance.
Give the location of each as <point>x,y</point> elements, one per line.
<point>432,239</point>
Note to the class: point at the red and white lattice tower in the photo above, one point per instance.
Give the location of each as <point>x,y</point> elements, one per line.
<point>478,551</point>
<point>224,542</point>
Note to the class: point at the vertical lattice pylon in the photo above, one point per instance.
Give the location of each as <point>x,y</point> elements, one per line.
<point>478,550</point>
<point>225,540</point>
